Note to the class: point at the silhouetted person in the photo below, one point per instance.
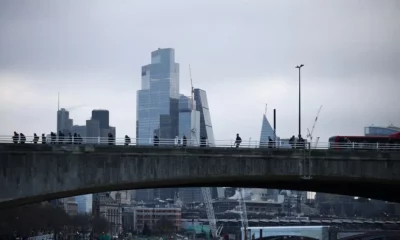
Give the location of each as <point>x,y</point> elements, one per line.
<point>301,141</point>
<point>22,138</point>
<point>127,140</point>
<point>15,138</point>
<point>203,141</point>
<point>292,140</point>
<point>270,142</point>
<point>238,140</point>
<point>60,137</point>
<point>156,141</point>
<point>53,137</point>
<point>35,138</point>
<point>80,140</point>
<point>69,138</point>
<point>75,141</point>
<point>43,139</point>
<point>110,139</point>
<point>184,141</point>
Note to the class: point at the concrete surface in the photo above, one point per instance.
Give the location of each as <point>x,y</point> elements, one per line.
<point>31,173</point>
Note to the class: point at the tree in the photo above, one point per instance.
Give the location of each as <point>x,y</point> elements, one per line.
<point>146,230</point>
<point>82,222</point>
<point>100,225</point>
<point>164,226</point>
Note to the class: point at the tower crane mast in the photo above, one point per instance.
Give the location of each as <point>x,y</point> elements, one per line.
<point>210,210</point>
<point>310,134</point>
<point>243,212</point>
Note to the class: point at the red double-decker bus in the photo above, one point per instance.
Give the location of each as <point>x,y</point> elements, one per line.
<point>365,142</point>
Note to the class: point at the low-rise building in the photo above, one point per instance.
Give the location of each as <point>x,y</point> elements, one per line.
<point>135,218</point>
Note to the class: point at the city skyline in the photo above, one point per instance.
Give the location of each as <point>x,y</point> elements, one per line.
<point>347,65</point>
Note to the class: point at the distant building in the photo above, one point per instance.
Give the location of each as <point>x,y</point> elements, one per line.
<point>190,195</point>
<point>64,123</point>
<point>125,196</point>
<point>151,216</point>
<point>92,131</point>
<point>158,99</point>
<point>380,131</point>
<point>189,121</point>
<point>103,116</point>
<point>84,203</point>
<point>97,128</point>
<point>166,193</point>
<point>206,129</point>
<point>104,205</point>
<point>70,206</point>
<point>145,195</point>
<point>81,130</point>
<point>266,132</point>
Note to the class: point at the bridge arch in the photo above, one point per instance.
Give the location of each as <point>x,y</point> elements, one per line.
<point>33,173</point>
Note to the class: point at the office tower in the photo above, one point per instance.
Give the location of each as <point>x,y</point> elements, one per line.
<point>189,121</point>
<point>97,128</point>
<point>145,195</point>
<point>81,130</point>
<point>166,193</point>
<point>266,132</point>
<point>158,99</point>
<point>190,195</point>
<point>64,123</point>
<point>84,203</point>
<point>92,131</point>
<point>206,130</point>
<point>103,116</point>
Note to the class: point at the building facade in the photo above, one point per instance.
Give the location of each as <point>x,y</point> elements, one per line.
<point>70,206</point>
<point>103,116</point>
<point>158,99</point>
<point>64,123</point>
<point>266,132</point>
<point>190,195</point>
<point>381,131</point>
<point>105,206</point>
<point>189,121</point>
<point>206,129</point>
<point>151,216</point>
<point>84,203</point>
<point>97,128</point>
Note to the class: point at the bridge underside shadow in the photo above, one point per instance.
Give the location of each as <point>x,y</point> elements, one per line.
<point>382,190</point>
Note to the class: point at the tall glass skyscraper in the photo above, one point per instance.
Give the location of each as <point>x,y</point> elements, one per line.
<point>64,123</point>
<point>158,99</point>
<point>266,132</point>
<point>189,121</point>
<point>84,203</point>
<point>206,130</point>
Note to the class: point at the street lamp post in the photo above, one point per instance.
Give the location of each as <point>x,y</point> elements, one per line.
<point>299,67</point>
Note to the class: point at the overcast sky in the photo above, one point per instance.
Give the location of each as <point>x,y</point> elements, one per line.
<point>243,53</point>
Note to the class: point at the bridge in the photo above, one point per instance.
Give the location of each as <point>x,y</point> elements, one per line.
<point>37,172</point>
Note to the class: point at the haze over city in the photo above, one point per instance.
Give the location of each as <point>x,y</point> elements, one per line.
<point>242,53</point>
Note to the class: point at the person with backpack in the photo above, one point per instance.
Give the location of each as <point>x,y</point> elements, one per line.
<point>238,140</point>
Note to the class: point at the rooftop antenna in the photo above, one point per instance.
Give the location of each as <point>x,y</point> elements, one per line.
<point>265,113</point>
<point>58,102</point>
<point>191,83</point>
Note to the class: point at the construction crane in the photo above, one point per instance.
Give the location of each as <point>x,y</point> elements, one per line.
<point>310,134</point>
<point>210,211</point>
<point>243,212</point>
<point>70,108</point>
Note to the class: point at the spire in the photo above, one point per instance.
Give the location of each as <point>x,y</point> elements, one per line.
<point>265,113</point>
